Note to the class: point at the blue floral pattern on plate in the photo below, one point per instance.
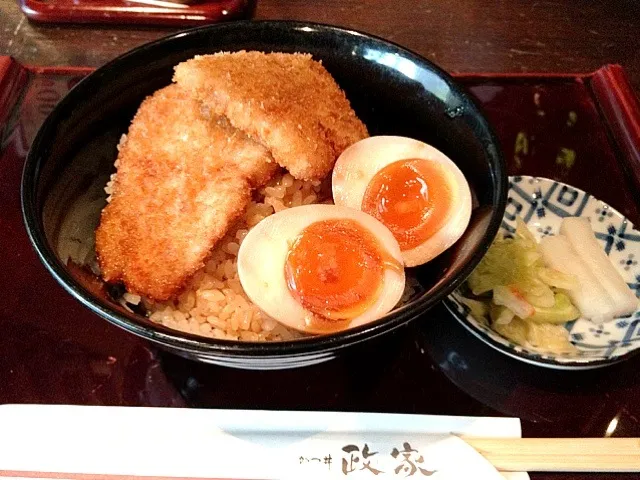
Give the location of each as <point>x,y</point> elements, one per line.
<point>542,203</point>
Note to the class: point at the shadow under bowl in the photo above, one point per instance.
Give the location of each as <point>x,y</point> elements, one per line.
<point>393,91</point>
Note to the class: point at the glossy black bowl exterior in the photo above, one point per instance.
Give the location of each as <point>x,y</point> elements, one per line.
<point>394,91</point>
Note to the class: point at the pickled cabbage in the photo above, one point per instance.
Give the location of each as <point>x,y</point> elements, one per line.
<point>545,337</point>
<point>515,331</point>
<point>562,311</point>
<point>521,298</point>
<point>549,337</point>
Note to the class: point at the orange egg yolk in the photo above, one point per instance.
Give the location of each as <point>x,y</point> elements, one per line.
<point>335,269</point>
<point>412,198</point>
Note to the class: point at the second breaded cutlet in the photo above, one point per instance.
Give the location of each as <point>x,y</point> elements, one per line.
<point>288,102</point>
<point>182,179</point>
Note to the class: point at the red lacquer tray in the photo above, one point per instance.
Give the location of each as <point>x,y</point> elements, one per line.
<point>581,129</point>
<point>174,13</point>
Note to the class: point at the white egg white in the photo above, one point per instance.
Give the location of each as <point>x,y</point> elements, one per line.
<point>359,163</point>
<point>263,254</point>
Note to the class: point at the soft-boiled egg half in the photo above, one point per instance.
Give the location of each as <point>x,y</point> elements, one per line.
<point>321,268</point>
<point>415,190</point>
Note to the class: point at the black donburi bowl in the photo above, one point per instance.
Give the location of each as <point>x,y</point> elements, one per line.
<point>394,91</point>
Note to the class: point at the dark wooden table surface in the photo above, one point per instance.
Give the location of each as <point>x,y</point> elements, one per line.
<point>461,36</point>
<point>446,370</point>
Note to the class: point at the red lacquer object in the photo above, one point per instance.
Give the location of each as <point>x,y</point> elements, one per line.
<point>140,12</point>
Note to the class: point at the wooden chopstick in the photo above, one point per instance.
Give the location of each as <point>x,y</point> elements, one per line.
<point>560,454</point>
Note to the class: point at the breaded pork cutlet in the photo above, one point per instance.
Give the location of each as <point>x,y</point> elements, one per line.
<point>288,102</point>
<point>182,179</point>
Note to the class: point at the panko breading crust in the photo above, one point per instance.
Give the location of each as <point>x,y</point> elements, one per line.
<point>182,180</point>
<point>288,102</point>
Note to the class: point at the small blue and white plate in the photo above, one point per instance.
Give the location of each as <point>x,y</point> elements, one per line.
<point>542,203</point>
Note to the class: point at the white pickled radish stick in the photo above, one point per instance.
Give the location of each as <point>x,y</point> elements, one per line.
<point>589,296</point>
<point>581,237</point>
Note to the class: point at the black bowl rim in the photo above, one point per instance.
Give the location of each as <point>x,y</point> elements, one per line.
<point>203,345</point>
